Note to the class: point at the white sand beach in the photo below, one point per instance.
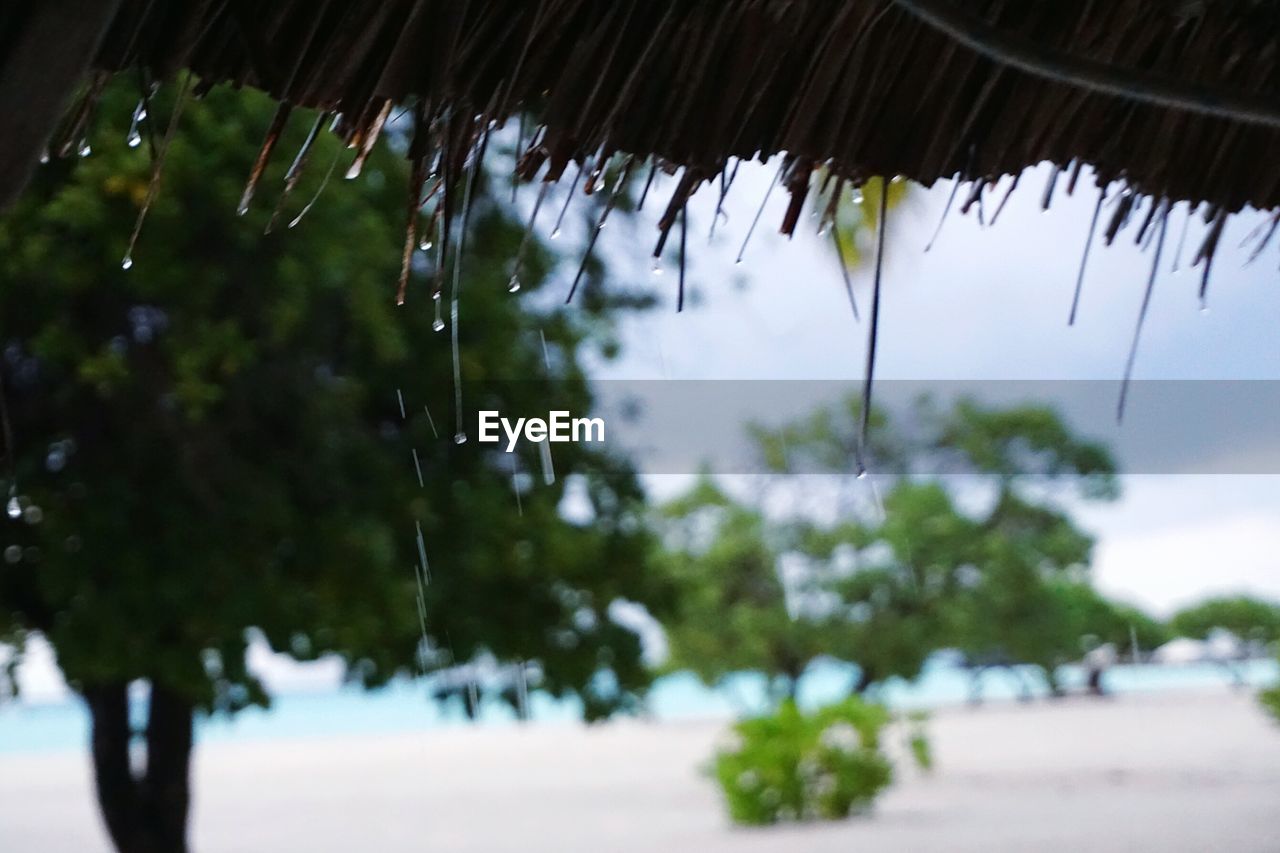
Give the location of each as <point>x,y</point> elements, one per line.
<point>1170,772</point>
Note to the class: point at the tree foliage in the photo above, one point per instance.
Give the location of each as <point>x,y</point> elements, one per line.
<point>967,551</point>
<point>1251,619</point>
<point>211,441</point>
<point>792,765</point>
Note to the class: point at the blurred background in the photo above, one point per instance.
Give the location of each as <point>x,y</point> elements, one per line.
<point>244,495</point>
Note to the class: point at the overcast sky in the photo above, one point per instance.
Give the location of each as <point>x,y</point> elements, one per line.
<point>992,304</point>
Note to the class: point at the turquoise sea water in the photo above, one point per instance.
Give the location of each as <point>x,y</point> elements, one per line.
<point>406,707</point>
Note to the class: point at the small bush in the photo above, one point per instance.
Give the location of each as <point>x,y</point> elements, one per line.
<point>1270,699</point>
<point>797,766</point>
<point>918,740</point>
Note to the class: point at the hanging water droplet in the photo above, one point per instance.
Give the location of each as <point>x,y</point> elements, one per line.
<point>438,324</point>
<point>127,263</point>
<point>426,244</point>
<point>1204,310</point>
<point>85,149</point>
<point>858,197</point>
<point>460,438</point>
<point>44,157</point>
<point>13,508</point>
<point>555,235</point>
<point>134,139</point>
<point>657,266</point>
<point>862,473</point>
<point>513,286</point>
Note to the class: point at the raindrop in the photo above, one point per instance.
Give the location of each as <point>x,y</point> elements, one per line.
<point>460,438</point>
<point>528,235</point>
<point>417,466</point>
<point>548,466</point>
<point>513,286</point>
<point>657,266</point>
<point>13,508</point>
<point>55,460</point>
<point>438,324</point>
<point>134,139</point>
<point>85,149</point>
<point>426,244</point>
<point>431,422</point>
<point>44,158</point>
<point>1204,309</point>
<point>555,235</point>
<point>127,263</point>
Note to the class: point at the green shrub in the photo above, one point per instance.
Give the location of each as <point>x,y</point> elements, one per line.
<point>918,740</point>
<point>797,766</point>
<point>1271,701</point>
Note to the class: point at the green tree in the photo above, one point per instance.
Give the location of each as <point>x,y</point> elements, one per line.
<point>733,612</point>
<point>1251,619</point>
<point>964,561</point>
<point>210,442</point>
<point>1094,619</point>
<point>1271,701</point>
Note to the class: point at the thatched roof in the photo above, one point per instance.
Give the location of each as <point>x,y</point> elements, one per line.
<point>921,88</point>
<point>1173,100</point>
<point>866,84</point>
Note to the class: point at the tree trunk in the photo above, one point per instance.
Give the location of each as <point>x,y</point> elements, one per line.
<point>146,810</point>
<point>865,679</point>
